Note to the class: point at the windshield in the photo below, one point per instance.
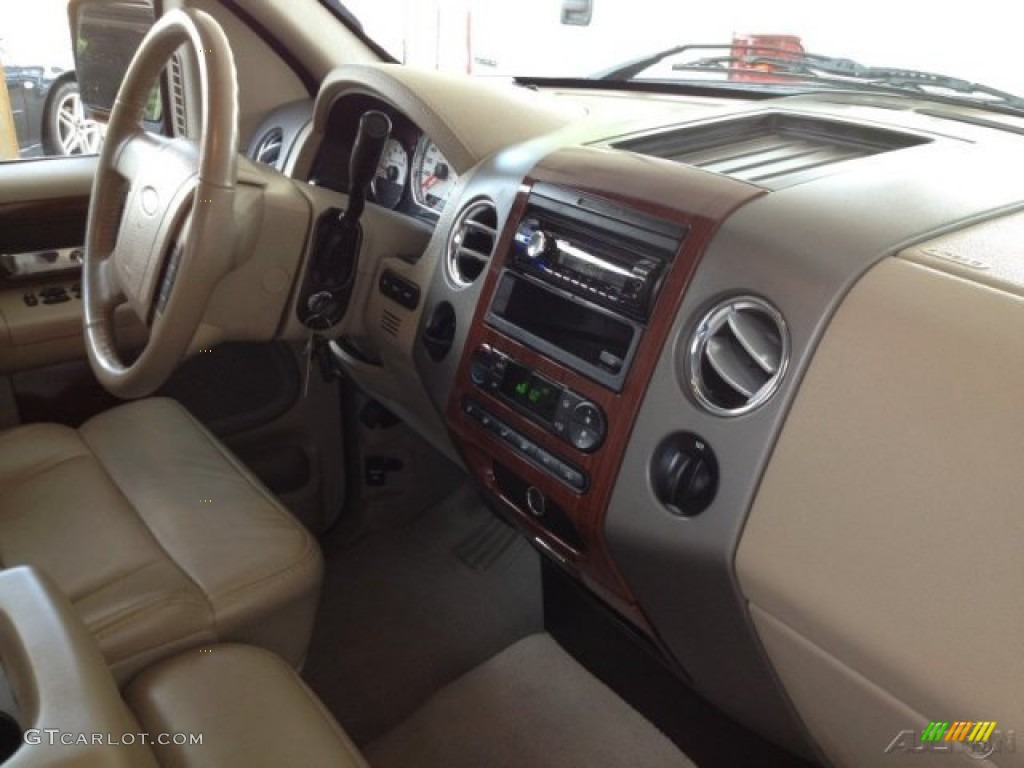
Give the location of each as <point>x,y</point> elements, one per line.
<point>590,38</point>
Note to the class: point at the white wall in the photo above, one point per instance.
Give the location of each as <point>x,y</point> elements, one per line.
<point>35,32</point>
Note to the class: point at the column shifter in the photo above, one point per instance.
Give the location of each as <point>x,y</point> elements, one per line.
<point>338,236</point>
<point>373,133</point>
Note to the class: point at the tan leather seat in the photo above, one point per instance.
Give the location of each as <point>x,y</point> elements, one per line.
<point>224,705</point>
<point>160,538</point>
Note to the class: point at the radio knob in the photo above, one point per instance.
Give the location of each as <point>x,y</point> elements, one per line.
<point>539,245</point>
<point>480,365</point>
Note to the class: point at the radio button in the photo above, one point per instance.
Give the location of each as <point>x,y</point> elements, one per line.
<point>482,365</point>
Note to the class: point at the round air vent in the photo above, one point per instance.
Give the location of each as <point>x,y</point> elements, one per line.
<point>268,148</point>
<point>474,236</point>
<point>738,356</point>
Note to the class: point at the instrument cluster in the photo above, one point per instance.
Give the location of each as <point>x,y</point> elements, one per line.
<point>425,181</point>
<point>413,177</point>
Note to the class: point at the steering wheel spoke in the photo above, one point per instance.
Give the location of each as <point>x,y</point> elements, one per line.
<point>135,152</point>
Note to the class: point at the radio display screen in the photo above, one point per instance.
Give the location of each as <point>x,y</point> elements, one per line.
<point>590,266</point>
<point>530,391</point>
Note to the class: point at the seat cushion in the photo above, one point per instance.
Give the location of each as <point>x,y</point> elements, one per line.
<point>157,534</point>
<point>250,707</point>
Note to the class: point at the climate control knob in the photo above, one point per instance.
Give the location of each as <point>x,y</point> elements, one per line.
<point>587,426</point>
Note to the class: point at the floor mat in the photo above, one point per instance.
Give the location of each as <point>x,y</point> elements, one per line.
<point>531,705</point>
<point>402,615</point>
<point>489,546</point>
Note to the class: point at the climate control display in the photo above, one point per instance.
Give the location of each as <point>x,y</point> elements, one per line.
<point>571,417</point>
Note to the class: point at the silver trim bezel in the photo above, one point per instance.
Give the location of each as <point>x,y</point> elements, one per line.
<point>709,325</point>
<point>458,231</point>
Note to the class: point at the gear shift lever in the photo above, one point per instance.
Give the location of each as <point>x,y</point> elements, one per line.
<point>373,133</point>
<point>332,268</point>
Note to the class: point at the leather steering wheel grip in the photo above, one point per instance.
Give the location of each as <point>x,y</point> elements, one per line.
<point>154,196</point>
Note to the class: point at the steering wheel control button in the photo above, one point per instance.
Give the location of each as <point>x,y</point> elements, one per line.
<point>167,285</point>
<point>587,427</point>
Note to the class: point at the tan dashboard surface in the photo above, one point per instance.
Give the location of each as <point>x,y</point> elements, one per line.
<point>882,555</point>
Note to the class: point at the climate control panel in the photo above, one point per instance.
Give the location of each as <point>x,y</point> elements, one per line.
<point>558,409</point>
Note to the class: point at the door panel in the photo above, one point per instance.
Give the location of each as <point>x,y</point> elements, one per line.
<point>249,394</point>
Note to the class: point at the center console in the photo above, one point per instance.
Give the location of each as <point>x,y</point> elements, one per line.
<point>586,280</point>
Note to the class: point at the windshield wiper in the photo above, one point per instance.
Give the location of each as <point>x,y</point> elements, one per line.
<point>784,65</point>
<point>630,69</point>
<point>830,68</point>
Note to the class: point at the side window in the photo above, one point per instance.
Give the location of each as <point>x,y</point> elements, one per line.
<point>46,103</point>
<point>41,109</point>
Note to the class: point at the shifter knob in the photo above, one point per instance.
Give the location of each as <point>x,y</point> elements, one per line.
<point>371,136</point>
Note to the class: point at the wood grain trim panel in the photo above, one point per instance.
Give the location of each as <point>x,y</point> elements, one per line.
<point>682,194</point>
<point>37,225</point>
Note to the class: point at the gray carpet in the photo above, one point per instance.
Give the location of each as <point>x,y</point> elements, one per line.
<point>531,706</point>
<point>406,611</point>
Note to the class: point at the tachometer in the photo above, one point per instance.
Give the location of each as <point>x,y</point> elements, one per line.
<point>389,182</point>
<point>433,177</point>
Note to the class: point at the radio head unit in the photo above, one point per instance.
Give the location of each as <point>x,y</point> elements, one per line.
<point>582,278</point>
<point>605,253</point>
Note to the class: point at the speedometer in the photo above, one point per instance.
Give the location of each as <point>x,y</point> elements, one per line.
<point>389,182</point>
<point>432,176</point>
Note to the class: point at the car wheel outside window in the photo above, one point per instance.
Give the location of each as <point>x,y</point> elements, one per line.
<point>68,130</point>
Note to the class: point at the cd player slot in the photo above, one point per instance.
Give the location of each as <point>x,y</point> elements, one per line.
<point>577,333</point>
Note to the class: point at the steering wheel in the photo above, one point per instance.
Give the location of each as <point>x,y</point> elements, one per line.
<point>161,224</point>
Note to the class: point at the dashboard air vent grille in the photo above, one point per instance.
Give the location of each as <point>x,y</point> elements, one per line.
<point>267,149</point>
<point>738,356</point>
<point>773,150</point>
<point>473,239</point>
<point>179,116</point>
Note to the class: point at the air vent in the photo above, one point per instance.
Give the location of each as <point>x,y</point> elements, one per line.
<point>179,116</point>
<point>391,323</point>
<point>474,236</point>
<point>738,356</point>
<point>267,149</point>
